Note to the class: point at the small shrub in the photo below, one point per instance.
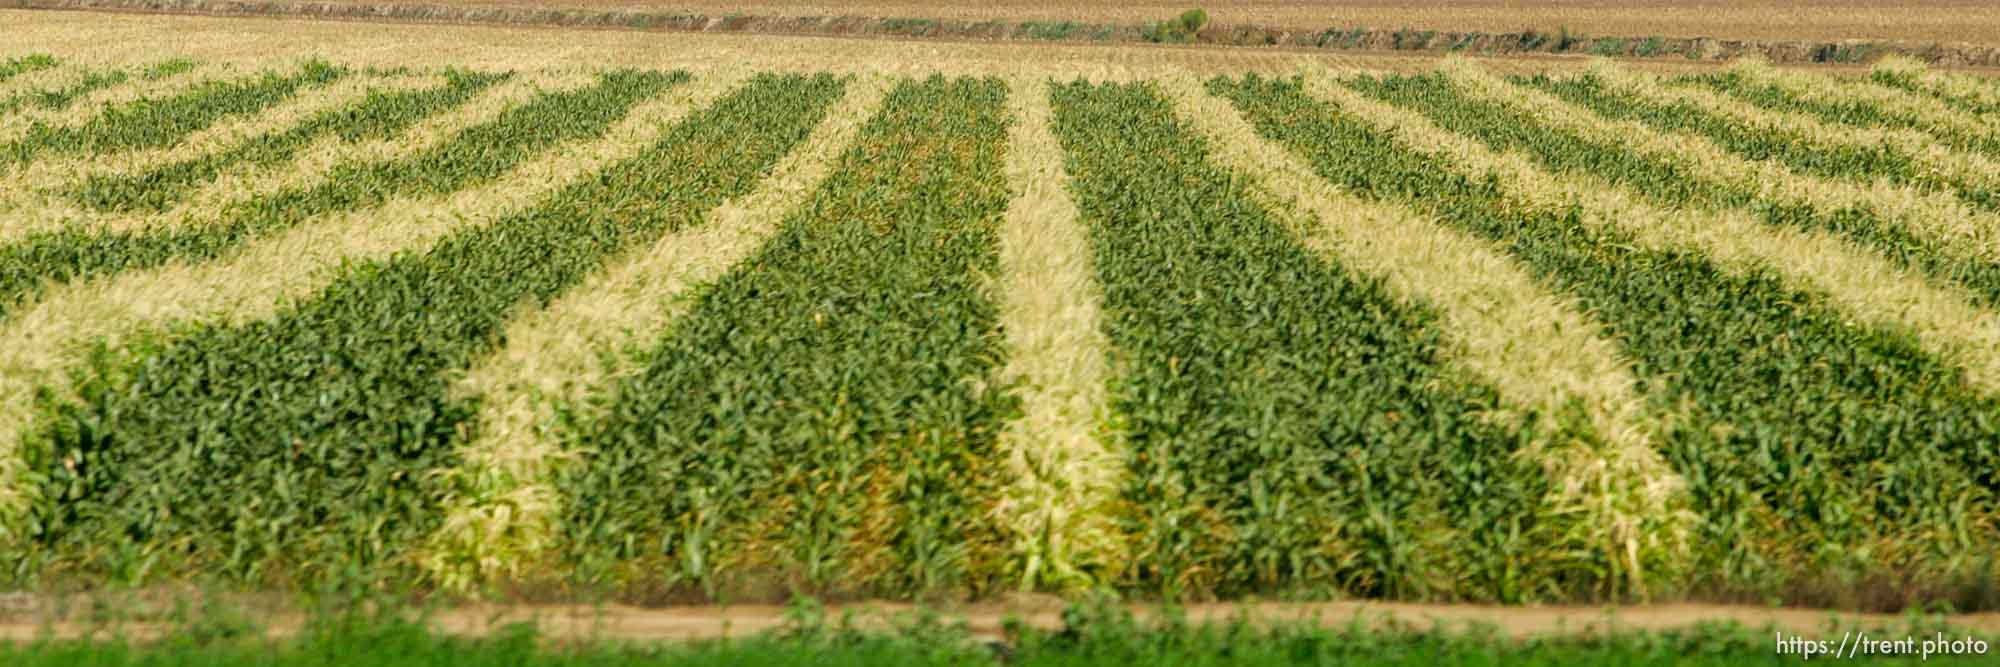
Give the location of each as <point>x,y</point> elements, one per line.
<point>1180,30</point>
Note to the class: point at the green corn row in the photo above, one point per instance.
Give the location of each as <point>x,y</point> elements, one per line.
<point>1288,423</point>
<point>160,123</point>
<point>1819,453</point>
<point>1909,82</point>
<point>1853,112</point>
<point>380,115</point>
<point>60,99</point>
<point>303,445</point>
<point>821,418</point>
<point>473,156</point>
<point>1849,163</point>
<point>1668,183</point>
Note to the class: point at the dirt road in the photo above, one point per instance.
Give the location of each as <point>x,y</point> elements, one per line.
<point>1971,21</point>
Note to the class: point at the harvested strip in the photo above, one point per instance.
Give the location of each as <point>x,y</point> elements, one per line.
<point>87,108</point>
<point>1946,322</point>
<point>500,516</point>
<point>1060,506</point>
<point>59,89</point>
<point>364,114</point>
<point>1964,91</point>
<point>234,188</point>
<point>472,156</point>
<point>1848,102</point>
<point>1801,142</point>
<point>1286,423</point>
<point>823,410</point>
<point>158,123</point>
<point>1929,232</point>
<point>1800,428</point>
<point>1605,467</point>
<point>42,344</point>
<point>62,90</point>
<point>330,414</point>
<point>45,197</point>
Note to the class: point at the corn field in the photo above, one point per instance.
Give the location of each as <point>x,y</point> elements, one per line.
<point>1590,334</point>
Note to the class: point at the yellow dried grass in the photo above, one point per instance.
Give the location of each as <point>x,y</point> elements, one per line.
<point>1065,474</point>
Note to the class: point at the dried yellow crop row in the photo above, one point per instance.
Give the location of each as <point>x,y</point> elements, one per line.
<point>54,78</point>
<point>13,127</point>
<point>1929,111</point>
<point>42,341</point>
<point>1931,215</point>
<point>1065,475</point>
<point>1981,91</point>
<point>558,355</point>
<point>1944,167</point>
<point>1944,319</point>
<point>40,201</point>
<point>1489,306</point>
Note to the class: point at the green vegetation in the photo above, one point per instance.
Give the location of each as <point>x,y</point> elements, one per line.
<point>909,26</point>
<point>380,115</point>
<point>1608,46</point>
<point>1653,46</point>
<point>1669,184</point>
<point>162,122</point>
<point>92,81</point>
<point>1854,163</point>
<point>1799,433</point>
<point>1087,636</point>
<point>1851,112</point>
<point>303,445</point>
<point>1050,30</point>
<point>1268,452</point>
<point>822,416</point>
<point>1180,30</point>
<point>473,156</point>
<point>13,67</point>
<point>1911,82</point>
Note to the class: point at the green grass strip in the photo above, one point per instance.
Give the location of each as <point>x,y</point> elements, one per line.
<point>1815,449</point>
<point>1851,112</point>
<point>1084,639</point>
<point>1288,424</point>
<point>159,123</point>
<point>1666,182</point>
<point>382,114</point>
<point>34,62</point>
<point>821,412</point>
<point>305,441</point>
<point>1844,162</point>
<point>473,156</point>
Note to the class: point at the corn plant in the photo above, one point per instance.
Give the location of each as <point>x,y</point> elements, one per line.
<point>822,417</point>
<point>1802,435</point>
<point>1288,423</point>
<point>157,123</point>
<point>301,446</point>
<point>474,155</point>
<point>379,116</point>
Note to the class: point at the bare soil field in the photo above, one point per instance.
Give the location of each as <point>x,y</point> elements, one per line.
<point>1971,21</point>
<point>132,39</point>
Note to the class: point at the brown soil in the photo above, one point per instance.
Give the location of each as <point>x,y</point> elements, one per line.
<point>1646,35</point>
<point>1972,21</point>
